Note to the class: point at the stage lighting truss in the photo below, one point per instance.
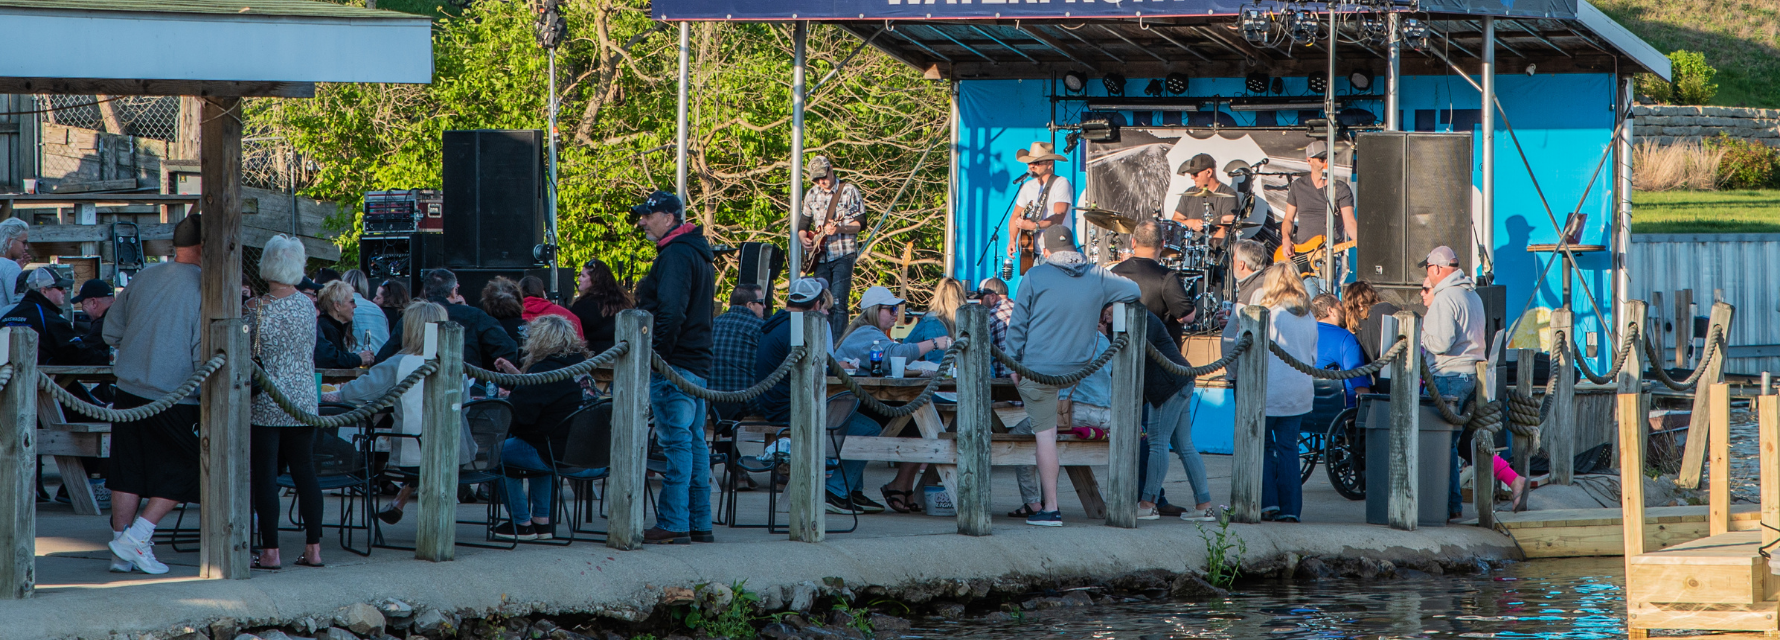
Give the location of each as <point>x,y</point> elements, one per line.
<point>1415,33</point>
<point>1305,27</point>
<point>1115,84</point>
<point>1257,26</point>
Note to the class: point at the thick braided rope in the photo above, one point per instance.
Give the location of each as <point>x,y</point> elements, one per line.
<point>907,408</point>
<point>361,412</point>
<point>5,376</point>
<point>1620,357</point>
<point>1065,379</point>
<point>1329,374</point>
<point>512,380</point>
<point>143,412</point>
<point>710,395</point>
<point>1712,345</point>
<point>1172,368</point>
<point>1482,416</point>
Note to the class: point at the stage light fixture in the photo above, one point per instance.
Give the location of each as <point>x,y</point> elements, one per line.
<point>1319,84</point>
<point>1415,33</point>
<point>1279,85</point>
<point>1153,89</point>
<point>1360,80</point>
<point>1256,83</point>
<point>1176,83</point>
<point>1255,26</point>
<point>1100,130</point>
<point>1305,27</point>
<point>1115,84</point>
<point>1075,82</point>
<point>1374,28</point>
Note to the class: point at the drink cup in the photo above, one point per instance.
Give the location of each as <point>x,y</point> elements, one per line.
<point>898,365</point>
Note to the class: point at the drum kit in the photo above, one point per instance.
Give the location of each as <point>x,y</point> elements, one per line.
<point>1201,259</point>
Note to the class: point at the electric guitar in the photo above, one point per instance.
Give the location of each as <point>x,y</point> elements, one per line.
<point>1309,254</point>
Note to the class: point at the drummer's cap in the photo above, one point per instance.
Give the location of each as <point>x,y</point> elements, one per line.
<point>1057,238</point>
<point>1196,164</point>
<point>1441,256</point>
<point>806,290</point>
<point>1316,149</point>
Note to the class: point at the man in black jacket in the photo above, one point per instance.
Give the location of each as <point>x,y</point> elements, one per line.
<point>1163,292</point>
<point>485,342</point>
<point>41,310</point>
<point>679,291</point>
<point>1169,420</point>
<point>806,294</point>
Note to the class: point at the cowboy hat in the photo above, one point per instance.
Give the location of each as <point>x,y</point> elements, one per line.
<point>1040,152</point>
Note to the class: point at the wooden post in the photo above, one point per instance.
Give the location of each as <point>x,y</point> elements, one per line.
<point>809,416</point>
<point>1251,417</point>
<point>224,421</point>
<point>1694,455</point>
<point>1560,442</point>
<point>18,465</point>
<point>225,457</point>
<point>1127,415</point>
<point>1483,454</point>
<point>1718,500</point>
<point>1630,380</point>
<point>442,407</point>
<point>1406,381</point>
<point>1632,426</point>
<point>1767,420</point>
<point>626,488</point>
<point>1683,326</point>
<point>975,368</point>
<point>1525,359</point>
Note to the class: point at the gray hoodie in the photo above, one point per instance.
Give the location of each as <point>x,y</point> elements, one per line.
<point>1057,312</point>
<point>1453,329</point>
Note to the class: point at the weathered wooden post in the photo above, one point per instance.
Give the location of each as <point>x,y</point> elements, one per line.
<point>226,456</point>
<point>975,368</point>
<point>1251,417</point>
<point>625,487</point>
<point>1767,420</point>
<point>1718,501</point>
<point>441,406</point>
<point>1683,331</point>
<point>1133,321</point>
<point>1525,359</point>
<point>1483,456</point>
<point>1695,453</point>
<point>1560,437</point>
<point>1632,425</point>
<point>809,417</point>
<point>18,465</point>
<point>1406,380</point>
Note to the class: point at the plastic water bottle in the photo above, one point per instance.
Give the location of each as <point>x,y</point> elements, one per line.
<point>877,359</point>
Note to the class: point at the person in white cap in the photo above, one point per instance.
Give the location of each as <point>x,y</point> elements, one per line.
<point>1044,200</point>
<point>1307,208</point>
<point>1452,334</point>
<point>833,214</point>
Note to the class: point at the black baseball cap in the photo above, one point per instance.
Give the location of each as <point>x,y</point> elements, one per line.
<point>94,288</point>
<point>190,231</point>
<point>659,202</point>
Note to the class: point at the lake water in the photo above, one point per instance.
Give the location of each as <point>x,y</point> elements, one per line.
<point>1571,598</point>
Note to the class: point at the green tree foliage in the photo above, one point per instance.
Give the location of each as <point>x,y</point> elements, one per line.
<point>1747,164</point>
<point>617,81</point>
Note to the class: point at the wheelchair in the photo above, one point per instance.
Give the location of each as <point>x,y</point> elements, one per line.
<point>1333,435</point>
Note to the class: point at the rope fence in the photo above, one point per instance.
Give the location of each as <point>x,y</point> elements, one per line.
<point>711,395</point>
<point>1714,342</point>
<point>514,380</point>
<point>361,412</point>
<point>1173,368</point>
<point>1068,378</point>
<point>108,414</point>
<point>907,408</point>
<point>1620,357</point>
<point>1347,374</point>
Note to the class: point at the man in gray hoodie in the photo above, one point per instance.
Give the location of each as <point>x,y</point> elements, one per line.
<point>1056,317</point>
<point>1452,334</point>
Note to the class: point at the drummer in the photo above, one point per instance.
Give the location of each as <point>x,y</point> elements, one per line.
<point>1206,189</point>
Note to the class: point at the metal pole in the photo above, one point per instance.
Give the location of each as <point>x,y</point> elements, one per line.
<point>1487,234</point>
<point>1622,241</point>
<point>1330,283</point>
<point>799,33</point>
<point>550,237</point>
<point>680,115</point>
<point>1393,118</point>
<point>952,182</point>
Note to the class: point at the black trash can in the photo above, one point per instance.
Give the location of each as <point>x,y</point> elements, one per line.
<point>1433,468</point>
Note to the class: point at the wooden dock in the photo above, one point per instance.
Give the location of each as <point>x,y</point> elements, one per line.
<point>1575,533</point>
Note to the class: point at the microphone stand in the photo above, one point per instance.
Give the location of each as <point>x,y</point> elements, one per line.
<point>1002,224</point>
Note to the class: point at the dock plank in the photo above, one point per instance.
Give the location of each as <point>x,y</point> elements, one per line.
<point>1570,533</point>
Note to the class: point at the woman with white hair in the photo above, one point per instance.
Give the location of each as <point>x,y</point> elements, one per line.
<point>336,345</point>
<point>15,249</point>
<point>283,323</point>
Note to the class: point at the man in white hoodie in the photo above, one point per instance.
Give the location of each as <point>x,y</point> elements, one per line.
<point>1452,334</point>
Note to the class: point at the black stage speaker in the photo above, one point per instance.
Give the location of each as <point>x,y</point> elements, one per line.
<point>1414,194</point>
<point>761,263</point>
<point>494,197</point>
<point>400,256</point>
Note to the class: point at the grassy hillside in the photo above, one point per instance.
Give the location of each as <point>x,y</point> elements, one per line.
<point>1739,37</point>
<point>1706,211</point>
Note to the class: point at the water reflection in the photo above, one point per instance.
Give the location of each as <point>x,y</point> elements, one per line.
<point>1569,599</point>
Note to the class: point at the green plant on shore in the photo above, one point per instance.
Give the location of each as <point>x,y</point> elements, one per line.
<point>1747,164</point>
<point>1223,552</point>
<point>858,617</point>
<point>718,615</point>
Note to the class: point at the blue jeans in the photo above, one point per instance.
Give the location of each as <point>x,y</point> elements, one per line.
<point>1171,423</point>
<point>1455,385</point>
<point>685,501</point>
<point>851,473</point>
<point>1280,485</point>
<point>525,502</point>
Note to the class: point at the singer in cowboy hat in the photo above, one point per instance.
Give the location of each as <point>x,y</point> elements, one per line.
<point>1052,194</point>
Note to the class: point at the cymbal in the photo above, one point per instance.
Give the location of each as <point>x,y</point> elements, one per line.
<point>1112,220</point>
<point>1092,210</point>
<point>1238,225</point>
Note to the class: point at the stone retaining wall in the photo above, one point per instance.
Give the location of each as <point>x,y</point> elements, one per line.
<point>1669,124</point>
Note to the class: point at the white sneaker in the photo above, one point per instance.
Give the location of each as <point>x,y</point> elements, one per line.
<point>1148,513</point>
<point>1198,515</point>
<point>139,553</point>
<point>120,565</point>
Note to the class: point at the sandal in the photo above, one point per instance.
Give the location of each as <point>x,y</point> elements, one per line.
<point>1024,511</point>
<point>304,562</point>
<point>898,501</point>
<point>274,567</point>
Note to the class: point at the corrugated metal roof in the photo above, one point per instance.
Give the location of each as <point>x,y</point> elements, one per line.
<point>293,8</point>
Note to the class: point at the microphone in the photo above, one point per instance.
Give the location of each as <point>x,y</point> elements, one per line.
<point>1023,177</point>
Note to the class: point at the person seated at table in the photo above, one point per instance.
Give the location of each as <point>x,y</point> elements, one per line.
<point>368,321</point>
<point>1083,410</point>
<point>537,303</point>
<point>1336,348</point>
<point>501,301</point>
<point>406,416</point>
<point>598,300</point>
<point>878,311</point>
<point>540,427</point>
<point>940,319</point>
<point>335,345</point>
<point>735,339</point>
<point>41,311</point>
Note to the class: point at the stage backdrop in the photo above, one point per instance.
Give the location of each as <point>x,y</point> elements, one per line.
<point>1563,122</point>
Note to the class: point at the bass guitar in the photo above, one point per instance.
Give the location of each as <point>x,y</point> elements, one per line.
<point>1309,254</point>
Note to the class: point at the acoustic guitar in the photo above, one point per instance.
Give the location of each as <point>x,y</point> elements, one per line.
<point>1308,254</point>
<point>1026,239</point>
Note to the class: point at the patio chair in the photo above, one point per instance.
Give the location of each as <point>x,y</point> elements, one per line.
<point>489,421</point>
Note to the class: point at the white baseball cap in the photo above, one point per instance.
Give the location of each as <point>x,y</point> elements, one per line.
<point>1441,256</point>
<point>879,296</point>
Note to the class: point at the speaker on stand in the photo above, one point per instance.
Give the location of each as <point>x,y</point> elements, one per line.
<point>1413,194</point>
<point>761,263</point>
<point>494,198</point>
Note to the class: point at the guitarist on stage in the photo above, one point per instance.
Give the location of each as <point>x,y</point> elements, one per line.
<point>833,214</point>
<point>1307,211</point>
<point>1206,189</point>
<point>1043,201</point>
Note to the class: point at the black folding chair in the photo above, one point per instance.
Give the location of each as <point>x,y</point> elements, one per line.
<point>489,420</point>
<point>841,407</point>
<point>344,467</point>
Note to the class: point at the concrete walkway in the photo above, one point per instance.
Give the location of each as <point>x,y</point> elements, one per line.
<point>78,597</point>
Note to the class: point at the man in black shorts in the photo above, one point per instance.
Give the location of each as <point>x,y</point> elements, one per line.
<point>155,325</point>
